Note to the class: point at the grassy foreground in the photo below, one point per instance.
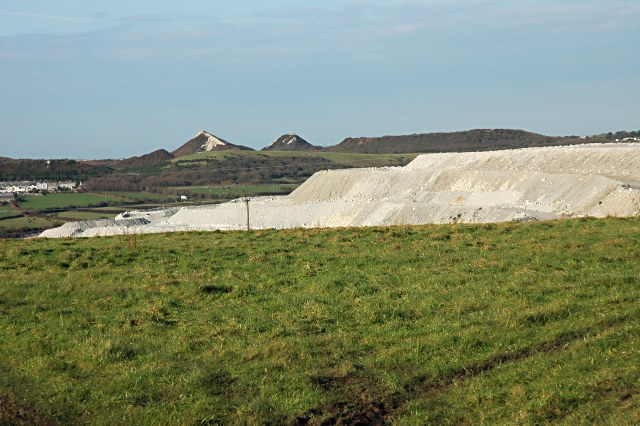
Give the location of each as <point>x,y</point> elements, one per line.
<point>510,323</point>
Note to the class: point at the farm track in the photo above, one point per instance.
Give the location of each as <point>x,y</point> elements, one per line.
<point>368,410</point>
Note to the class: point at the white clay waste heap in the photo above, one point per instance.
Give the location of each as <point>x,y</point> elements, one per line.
<point>473,187</point>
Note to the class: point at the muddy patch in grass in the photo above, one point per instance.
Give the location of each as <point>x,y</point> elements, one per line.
<point>12,413</point>
<point>215,289</point>
<point>354,402</point>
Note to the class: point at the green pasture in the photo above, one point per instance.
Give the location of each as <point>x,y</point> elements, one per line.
<point>81,215</point>
<point>7,211</point>
<point>16,227</point>
<point>29,222</point>
<point>63,200</point>
<point>339,158</point>
<point>351,159</point>
<point>131,196</point>
<point>528,323</point>
<point>235,191</point>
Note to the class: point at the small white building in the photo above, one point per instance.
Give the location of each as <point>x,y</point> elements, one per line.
<point>65,185</point>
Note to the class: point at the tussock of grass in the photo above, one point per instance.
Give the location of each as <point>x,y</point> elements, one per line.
<point>502,323</point>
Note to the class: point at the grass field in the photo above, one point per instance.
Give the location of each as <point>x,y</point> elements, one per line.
<point>19,227</point>
<point>524,323</point>
<point>350,159</point>
<point>30,222</point>
<point>235,191</point>
<point>339,158</point>
<point>118,209</point>
<point>6,211</point>
<point>63,200</point>
<point>73,214</point>
<point>138,196</point>
<point>71,201</point>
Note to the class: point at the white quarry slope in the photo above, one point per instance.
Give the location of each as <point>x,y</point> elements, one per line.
<point>211,141</point>
<point>283,140</point>
<point>474,187</point>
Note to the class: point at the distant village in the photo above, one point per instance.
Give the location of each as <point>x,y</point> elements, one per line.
<point>14,189</point>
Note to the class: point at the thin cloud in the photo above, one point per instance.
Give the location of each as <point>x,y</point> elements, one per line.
<point>45,16</point>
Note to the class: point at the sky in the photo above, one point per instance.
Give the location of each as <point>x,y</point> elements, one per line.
<point>115,79</point>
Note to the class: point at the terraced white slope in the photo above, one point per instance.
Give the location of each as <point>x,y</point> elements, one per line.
<point>476,187</point>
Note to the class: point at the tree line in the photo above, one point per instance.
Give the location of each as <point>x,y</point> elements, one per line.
<point>203,172</point>
<point>49,170</point>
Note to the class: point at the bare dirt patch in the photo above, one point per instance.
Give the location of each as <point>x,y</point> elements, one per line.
<point>355,405</point>
<point>12,413</point>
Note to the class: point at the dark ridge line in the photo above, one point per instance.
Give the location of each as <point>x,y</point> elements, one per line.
<point>382,412</point>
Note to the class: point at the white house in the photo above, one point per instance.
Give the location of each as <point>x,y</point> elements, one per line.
<point>66,185</point>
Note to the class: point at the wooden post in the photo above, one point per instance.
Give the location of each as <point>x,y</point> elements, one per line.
<point>246,200</point>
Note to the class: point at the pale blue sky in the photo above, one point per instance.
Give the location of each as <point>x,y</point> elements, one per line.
<point>120,78</point>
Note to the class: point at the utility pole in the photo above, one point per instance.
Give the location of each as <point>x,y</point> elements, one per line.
<point>246,201</point>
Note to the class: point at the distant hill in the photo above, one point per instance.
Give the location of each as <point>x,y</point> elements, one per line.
<point>152,158</point>
<point>291,142</point>
<point>471,140</point>
<point>204,142</point>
